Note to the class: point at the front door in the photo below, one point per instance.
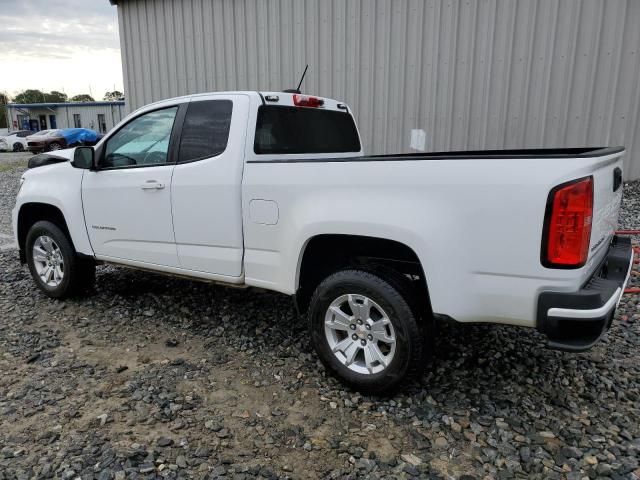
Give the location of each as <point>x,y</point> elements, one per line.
<point>206,187</point>
<point>127,202</point>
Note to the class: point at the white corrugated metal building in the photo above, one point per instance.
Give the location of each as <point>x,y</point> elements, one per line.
<point>98,116</point>
<point>473,74</point>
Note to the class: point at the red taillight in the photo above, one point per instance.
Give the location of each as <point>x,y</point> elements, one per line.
<point>307,101</point>
<point>567,229</point>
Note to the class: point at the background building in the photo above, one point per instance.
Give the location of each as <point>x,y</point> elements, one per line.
<point>98,116</point>
<point>473,74</point>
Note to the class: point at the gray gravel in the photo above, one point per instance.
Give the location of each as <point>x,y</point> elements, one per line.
<point>630,220</point>
<point>155,377</point>
<point>11,167</point>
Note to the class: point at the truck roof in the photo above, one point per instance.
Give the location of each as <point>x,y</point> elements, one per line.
<point>286,99</point>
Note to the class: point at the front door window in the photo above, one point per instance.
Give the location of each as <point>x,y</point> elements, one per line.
<point>142,142</point>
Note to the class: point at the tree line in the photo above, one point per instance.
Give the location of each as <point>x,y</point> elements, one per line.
<point>38,96</point>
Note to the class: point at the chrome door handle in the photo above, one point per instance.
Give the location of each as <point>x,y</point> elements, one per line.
<point>152,185</point>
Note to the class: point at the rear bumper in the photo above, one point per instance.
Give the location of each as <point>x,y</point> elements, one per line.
<point>575,321</point>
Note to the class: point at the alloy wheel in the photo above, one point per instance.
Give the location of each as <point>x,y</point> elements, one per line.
<point>48,261</point>
<point>360,334</point>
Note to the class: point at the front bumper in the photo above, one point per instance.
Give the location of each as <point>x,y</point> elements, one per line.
<point>575,321</point>
<point>35,147</point>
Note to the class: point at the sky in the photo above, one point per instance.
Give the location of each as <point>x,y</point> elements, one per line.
<point>65,45</point>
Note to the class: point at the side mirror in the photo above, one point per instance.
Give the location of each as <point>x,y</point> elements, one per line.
<point>83,157</point>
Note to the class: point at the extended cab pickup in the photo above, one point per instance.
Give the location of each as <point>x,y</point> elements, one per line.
<point>272,190</point>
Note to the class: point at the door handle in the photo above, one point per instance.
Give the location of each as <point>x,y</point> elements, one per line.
<point>617,178</point>
<point>152,185</point>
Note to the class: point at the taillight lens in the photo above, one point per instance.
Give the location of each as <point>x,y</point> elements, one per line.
<point>567,229</point>
<point>307,101</point>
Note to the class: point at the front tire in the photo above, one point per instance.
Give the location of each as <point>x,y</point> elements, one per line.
<point>53,146</point>
<point>53,262</point>
<point>365,332</point>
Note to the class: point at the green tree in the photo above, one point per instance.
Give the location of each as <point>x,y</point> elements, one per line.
<point>38,96</point>
<point>4,99</point>
<point>30,96</point>
<point>83,97</point>
<point>113,96</point>
<point>56,97</point>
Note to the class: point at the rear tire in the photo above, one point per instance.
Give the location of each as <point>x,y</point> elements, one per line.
<point>365,332</point>
<point>54,265</point>
<point>18,147</point>
<point>53,146</point>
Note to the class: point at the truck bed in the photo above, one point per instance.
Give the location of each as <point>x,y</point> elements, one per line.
<point>476,225</point>
<point>532,153</point>
<point>581,152</point>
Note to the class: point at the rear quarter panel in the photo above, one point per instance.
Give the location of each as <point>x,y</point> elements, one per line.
<point>476,224</point>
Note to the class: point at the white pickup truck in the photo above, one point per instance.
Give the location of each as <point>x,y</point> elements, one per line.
<point>272,190</point>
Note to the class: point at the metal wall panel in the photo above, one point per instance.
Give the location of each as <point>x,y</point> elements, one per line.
<point>473,74</point>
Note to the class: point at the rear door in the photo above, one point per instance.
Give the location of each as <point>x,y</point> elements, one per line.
<point>206,186</point>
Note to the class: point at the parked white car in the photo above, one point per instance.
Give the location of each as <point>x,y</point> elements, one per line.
<point>15,141</point>
<point>272,190</point>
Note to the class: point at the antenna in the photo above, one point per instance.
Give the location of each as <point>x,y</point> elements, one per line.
<point>302,78</point>
<point>297,90</point>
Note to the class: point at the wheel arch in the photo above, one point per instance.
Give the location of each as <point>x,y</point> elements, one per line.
<point>323,254</point>
<point>33,212</point>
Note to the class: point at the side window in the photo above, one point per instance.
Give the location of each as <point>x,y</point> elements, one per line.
<point>143,141</point>
<point>205,131</point>
<point>24,134</point>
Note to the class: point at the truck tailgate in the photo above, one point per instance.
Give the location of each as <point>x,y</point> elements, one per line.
<point>607,192</point>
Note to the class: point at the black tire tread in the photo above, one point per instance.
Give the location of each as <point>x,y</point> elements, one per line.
<point>410,291</point>
<point>79,273</point>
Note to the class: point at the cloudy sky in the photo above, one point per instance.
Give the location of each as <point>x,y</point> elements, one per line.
<point>65,45</point>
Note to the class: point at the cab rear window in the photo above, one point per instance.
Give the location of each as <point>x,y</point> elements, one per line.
<point>289,130</point>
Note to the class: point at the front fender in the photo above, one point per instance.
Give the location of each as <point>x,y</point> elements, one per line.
<point>58,185</point>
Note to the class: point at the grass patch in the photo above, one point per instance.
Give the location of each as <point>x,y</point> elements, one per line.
<point>10,167</point>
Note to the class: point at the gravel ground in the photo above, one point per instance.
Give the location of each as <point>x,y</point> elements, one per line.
<point>156,377</point>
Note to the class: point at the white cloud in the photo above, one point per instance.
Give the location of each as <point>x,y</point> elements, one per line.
<point>60,45</point>
<point>82,71</point>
